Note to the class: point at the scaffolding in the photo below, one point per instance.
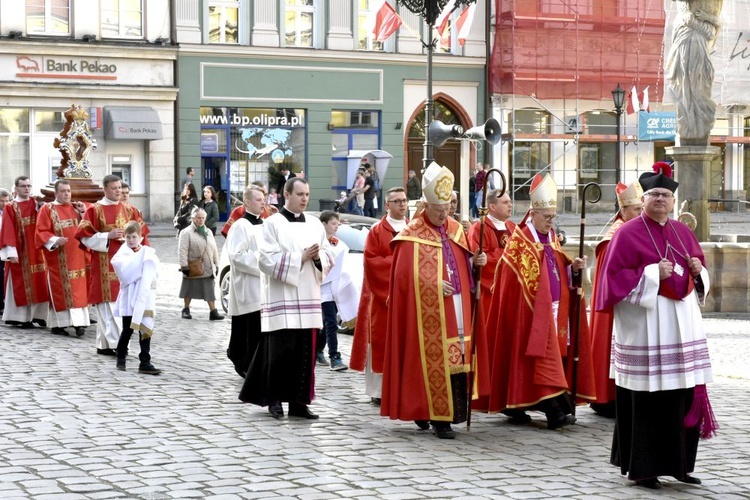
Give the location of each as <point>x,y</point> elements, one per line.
<point>554,65</point>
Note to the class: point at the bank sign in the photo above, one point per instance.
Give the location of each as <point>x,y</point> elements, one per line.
<point>657,126</point>
<point>64,68</point>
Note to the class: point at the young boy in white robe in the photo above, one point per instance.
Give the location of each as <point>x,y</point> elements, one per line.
<point>136,267</point>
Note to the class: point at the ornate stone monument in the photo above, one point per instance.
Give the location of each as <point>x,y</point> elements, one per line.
<point>691,76</point>
<point>75,144</point>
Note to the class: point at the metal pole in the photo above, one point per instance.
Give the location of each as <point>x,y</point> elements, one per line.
<point>617,156</point>
<point>428,155</point>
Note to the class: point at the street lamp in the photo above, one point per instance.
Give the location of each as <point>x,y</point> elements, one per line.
<point>429,10</point>
<point>618,96</point>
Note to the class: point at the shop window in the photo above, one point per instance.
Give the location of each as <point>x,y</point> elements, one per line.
<point>14,150</point>
<point>300,22</point>
<point>352,131</point>
<point>366,38</point>
<point>529,121</point>
<point>48,17</point>
<point>223,21</point>
<point>48,120</point>
<point>121,19</point>
<point>526,160</point>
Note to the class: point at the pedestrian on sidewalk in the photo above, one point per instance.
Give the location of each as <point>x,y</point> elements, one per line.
<point>196,243</point>
<point>331,293</point>
<point>136,267</point>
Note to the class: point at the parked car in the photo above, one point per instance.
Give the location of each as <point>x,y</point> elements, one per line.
<point>353,232</point>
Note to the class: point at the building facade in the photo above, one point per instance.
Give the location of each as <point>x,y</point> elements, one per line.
<point>113,59</point>
<point>304,84</point>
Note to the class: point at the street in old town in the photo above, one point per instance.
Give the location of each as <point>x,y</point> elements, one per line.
<point>72,426</point>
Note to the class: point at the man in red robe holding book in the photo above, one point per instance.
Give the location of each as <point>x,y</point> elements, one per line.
<point>533,362</point>
<point>428,347</point>
<point>368,345</point>
<point>26,291</point>
<point>102,230</point>
<point>56,226</point>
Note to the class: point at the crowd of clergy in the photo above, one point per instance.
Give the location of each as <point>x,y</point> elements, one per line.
<point>452,318</point>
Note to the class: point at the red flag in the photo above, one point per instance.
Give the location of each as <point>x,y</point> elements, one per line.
<point>463,24</point>
<point>633,104</point>
<point>442,21</point>
<point>387,21</point>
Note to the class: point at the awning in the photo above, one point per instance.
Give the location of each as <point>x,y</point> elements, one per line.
<point>376,157</point>
<point>132,123</point>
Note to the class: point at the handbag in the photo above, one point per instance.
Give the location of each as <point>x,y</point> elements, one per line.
<point>195,266</point>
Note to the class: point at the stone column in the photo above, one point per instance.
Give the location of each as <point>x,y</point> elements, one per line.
<point>340,30</point>
<point>692,164</point>
<point>265,32</point>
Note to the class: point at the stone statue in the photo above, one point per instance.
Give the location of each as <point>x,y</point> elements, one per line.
<point>689,68</point>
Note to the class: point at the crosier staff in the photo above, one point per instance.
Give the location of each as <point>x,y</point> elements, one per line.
<point>578,285</point>
<point>483,210</point>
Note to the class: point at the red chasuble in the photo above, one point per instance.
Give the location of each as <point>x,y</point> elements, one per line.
<point>493,245</point>
<point>532,360</point>
<point>601,326</point>
<point>372,314</point>
<point>66,265</point>
<point>30,273</point>
<point>422,348</point>
<point>100,218</point>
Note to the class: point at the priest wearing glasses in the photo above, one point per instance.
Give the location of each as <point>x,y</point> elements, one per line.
<point>655,280</point>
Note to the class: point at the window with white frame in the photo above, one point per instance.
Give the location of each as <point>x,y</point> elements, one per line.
<point>48,17</point>
<point>366,37</point>
<point>223,21</point>
<point>299,23</point>
<point>121,19</point>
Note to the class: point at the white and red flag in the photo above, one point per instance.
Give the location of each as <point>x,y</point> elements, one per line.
<point>441,23</point>
<point>463,24</point>
<point>633,104</point>
<point>383,21</point>
<point>644,101</point>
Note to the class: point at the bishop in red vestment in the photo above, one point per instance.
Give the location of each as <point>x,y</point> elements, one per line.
<point>56,227</point>
<point>428,348</point>
<point>630,199</point>
<point>368,345</point>
<point>102,231</point>
<point>497,229</point>
<point>532,365</point>
<point>26,292</point>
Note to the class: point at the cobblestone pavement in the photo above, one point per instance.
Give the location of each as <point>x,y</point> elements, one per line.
<point>71,426</point>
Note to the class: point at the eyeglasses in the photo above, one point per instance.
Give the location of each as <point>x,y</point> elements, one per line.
<point>666,196</point>
<point>399,202</point>
<point>549,218</point>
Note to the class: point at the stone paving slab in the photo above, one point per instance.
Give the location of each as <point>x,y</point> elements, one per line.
<point>72,426</point>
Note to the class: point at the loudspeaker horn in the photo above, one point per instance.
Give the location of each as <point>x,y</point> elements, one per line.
<point>489,132</point>
<point>440,132</point>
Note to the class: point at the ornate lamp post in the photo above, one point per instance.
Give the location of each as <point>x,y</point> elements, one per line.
<point>429,11</point>
<point>618,97</point>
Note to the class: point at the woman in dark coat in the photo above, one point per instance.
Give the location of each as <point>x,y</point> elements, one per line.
<point>188,202</point>
<point>208,203</point>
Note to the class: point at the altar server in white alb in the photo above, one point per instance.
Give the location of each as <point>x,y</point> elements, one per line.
<point>655,279</point>
<point>295,256</point>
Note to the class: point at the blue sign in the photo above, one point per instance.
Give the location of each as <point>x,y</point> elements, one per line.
<point>209,143</point>
<point>657,126</point>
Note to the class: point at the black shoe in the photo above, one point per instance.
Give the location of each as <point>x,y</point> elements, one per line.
<point>562,421</point>
<point>107,352</point>
<point>604,409</point>
<point>186,314</point>
<point>422,424</point>
<point>149,369</point>
<point>517,417</point>
<point>27,325</point>
<point>215,316</point>
<point>13,323</point>
<point>302,411</point>
<point>276,410</point>
<point>689,480</point>
<point>80,331</point>
<point>39,322</point>
<point>58,330</point>
<point>120,364</point>
<point>92,321</point>
<point>375,401</point>
<point>443,430</point>
<point>650,483</point>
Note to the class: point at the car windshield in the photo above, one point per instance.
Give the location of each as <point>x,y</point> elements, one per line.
<point>354,236</point>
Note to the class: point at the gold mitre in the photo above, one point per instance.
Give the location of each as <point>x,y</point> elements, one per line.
<point>543,192</point>
<point>437,184</point>
<point>629,195</point>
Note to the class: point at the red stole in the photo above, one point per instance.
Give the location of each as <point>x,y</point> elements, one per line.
<point>30,273</point>
<point>66,265</point>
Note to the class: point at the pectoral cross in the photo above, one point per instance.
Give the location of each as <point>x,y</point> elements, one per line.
<point>450,273</point>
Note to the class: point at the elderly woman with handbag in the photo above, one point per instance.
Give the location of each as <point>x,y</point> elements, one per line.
<point>199,263</point>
